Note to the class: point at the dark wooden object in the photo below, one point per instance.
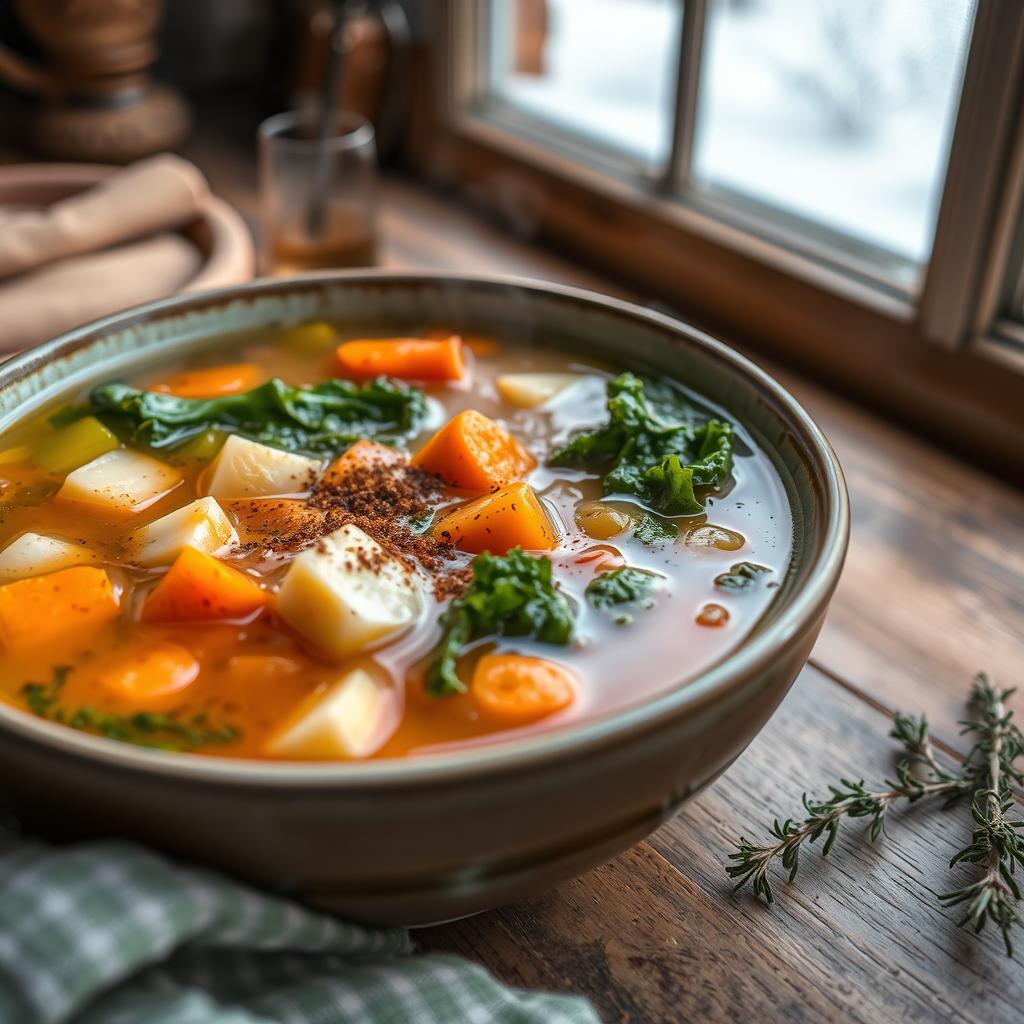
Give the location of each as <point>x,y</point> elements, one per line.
<point>98,102</point>
<point>933,590</point>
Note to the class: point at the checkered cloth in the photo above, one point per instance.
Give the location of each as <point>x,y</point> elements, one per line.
<point>108,933</point>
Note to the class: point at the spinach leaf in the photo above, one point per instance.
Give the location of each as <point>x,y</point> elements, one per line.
<point>319,421</point>
<point>651,530</point>
<point>741,576</point>
<point>510,595</point>
<point>623,586</point>
<point>143,728</point>
<point>652,449</point>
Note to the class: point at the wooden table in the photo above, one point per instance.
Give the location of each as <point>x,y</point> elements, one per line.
<point>933,590</point>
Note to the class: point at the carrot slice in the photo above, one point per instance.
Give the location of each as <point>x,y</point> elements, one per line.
<point>474,453</point>
<point>198,587</point>
<point>44,611</point>
<point>211,383</point>
<point>511,517</point>
<point>153,671</point>
<point>516,689</point>
<point>478,344</point>
<point>362,455</point>
<point>407,358</point>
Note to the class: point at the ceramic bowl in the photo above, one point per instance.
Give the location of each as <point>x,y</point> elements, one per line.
<point>429,839</point>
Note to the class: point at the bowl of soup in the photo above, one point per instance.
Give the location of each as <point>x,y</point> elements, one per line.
<point>408,595</point>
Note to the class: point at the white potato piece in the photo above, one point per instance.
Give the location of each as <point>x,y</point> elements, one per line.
<point>248,469</point>
<point>352,718</point>
<point>34,554</point>
<point>528,390</point>
<point>203,524</point>
<point>122,482</point>
<point>345,594</point>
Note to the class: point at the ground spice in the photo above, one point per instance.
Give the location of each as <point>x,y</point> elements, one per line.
<point>380,495</point>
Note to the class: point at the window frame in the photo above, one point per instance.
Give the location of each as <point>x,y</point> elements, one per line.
<point>956,313</point>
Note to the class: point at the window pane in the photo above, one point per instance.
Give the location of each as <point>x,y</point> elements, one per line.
<point>603,69</point>
<point>837,111</point>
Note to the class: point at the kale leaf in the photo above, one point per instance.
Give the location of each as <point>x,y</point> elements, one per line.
<point>741,576</point>
<point>319,421</point>
<point>651,530</point>
<point>653,449</point>
<point>510,595</point>
<point>623,586</point>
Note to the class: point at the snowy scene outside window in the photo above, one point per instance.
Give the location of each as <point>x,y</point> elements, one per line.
<point>836,111</point>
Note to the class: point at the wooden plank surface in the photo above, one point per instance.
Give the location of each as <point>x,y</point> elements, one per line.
<point>658,935</point>
<point>933,590</point>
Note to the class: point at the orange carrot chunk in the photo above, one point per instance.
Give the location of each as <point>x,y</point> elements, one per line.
<point>515,689</point>
<point>211,383</point>
<point>198,587</point>
<point>363,455</point>
<point>474,453</point>
<point>407,358</point>
<point>476,343</point>
<point>511,517</point>
<point>150,672</point>
<point>56,609</point>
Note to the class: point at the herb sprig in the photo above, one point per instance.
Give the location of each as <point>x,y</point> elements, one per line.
<point>988,774</point>
<point>142,728</point>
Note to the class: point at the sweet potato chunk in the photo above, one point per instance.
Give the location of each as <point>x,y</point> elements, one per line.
<point>511,517</point>
<point>44,611</point>
<point>474,453</point>
<point>198,587</point>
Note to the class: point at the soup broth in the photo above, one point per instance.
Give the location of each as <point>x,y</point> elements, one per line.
<point>272,639</point>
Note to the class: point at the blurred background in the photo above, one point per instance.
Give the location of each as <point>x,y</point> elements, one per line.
<point>838,184</point>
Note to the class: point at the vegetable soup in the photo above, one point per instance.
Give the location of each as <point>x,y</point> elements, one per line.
<point>312,544</point>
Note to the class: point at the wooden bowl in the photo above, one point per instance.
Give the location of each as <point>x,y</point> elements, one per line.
<point>220,233</point>
<point>436,837</point>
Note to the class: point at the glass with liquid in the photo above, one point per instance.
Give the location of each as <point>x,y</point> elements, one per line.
<point>317,197</point>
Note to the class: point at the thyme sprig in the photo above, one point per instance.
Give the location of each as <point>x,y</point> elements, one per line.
<point>996,841</point>
<point>988,774</point>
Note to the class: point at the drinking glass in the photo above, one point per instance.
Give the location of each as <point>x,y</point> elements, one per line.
<point>317,194</point>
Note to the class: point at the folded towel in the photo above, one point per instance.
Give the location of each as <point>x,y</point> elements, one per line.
<point>152,195</point>
<point>109,933</point>
<point>70,292</point>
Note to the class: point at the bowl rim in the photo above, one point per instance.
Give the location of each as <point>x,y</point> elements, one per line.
<point>730,673</point>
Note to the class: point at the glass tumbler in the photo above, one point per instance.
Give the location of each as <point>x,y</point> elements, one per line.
<point>317,195</point>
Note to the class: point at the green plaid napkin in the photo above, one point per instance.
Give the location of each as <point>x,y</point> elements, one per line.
<point>108,933</point>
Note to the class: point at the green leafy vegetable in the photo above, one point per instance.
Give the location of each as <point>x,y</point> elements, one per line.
<point>321,420</point>
<point>741,575</point>
<point>651,530</point>
<point>623,586</point>
<point>510,595</point>
<point>653,449</point>
<point>143,728</point>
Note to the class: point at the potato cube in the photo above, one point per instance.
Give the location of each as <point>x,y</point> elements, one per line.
<point>203,525</point>
<point>122,482</point>
<point>34,554</point>
<point>346,594</point>
<point>351,719</point>
<point>528,390</point>
<point>247,469</point>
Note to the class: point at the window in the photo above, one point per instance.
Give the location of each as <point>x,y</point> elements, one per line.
<point>853,169</point>
<point>839,113</point>
<point>544,64</point>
